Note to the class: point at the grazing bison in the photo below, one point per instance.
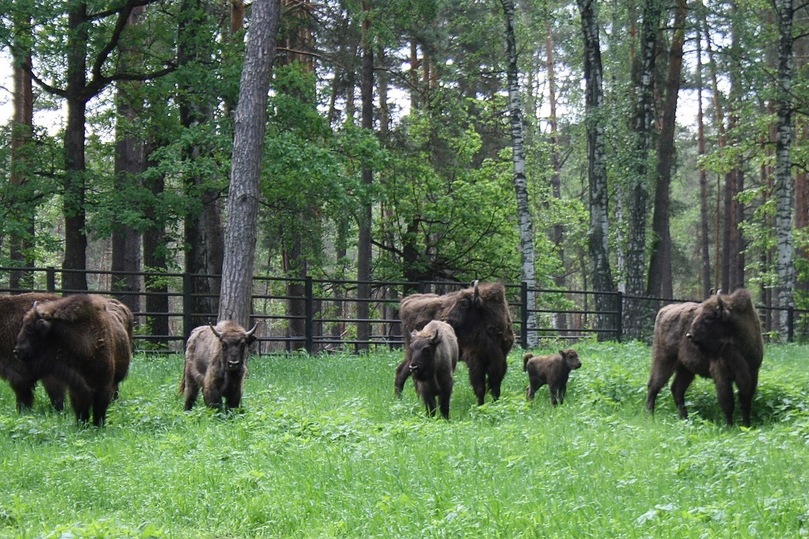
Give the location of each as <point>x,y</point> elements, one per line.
<point>433,356</point>
<point>216,362</point>
<point>20,376</point>
<point>553,370</point>
<point>123,345</point>
<point>719,338</point>
<point>76,339</point>
<point>480,317</point>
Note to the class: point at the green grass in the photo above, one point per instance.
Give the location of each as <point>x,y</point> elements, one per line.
<point>322,449</point>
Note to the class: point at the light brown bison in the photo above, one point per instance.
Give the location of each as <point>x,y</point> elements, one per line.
<point>480,317</point>
<point>719,338</point>
<point>433,356</point>
<point>553,369</point>
<point>75,338</point>
<point>20,376</point>
<point>216,362</point>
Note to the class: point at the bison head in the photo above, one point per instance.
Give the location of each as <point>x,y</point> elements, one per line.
<point>571,358</point>
<point>422,348</point>
<point>712,326</point>
<point>234,345</point>
<point>31,338</point>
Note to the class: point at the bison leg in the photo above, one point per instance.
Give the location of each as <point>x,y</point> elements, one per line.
<point>477,377</point>
<point>24,391</point>
<point>661,372</point>
<point>443,401</point>
<point>723,375</point>
<point>496,372</point>
<point>233,399</point>
<point>534,383</point>
<point>55,389</point>
<point>429,402</point>
<point>212,396</point>
<point>81,401</point>
<point>190,392</point>
<point>101,402</point>
<point>556,396</point>
<point>746,391</point>
<point>402,374</point>
<point>682,380</point>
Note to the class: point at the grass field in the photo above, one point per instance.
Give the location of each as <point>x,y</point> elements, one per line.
<point>322,449</point>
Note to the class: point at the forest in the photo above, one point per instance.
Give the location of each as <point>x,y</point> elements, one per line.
<point>656,148</point>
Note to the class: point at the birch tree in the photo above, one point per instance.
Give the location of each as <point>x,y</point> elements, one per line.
<point>518,158</point>
<point>248,146</point>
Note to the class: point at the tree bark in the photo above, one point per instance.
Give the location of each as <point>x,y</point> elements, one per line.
<point>660,272</point>
<point>784,188</point>
<point>527,268</point>
<point>364,241</point>
<point>704,240</point>
<point>248,146</point>
<point>598,245</point>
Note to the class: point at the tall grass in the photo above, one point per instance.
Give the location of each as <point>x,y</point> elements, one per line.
<point>322,449</point>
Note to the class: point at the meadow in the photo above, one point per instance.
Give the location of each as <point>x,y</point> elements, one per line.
<point>321,448</point>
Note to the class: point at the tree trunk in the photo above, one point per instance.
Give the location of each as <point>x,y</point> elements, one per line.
<point>155,255</point>
<point>73,199</point>
<point>364,241</point>
<point>704,240</point>
<point>130,163</point>
<point>520,185</point>
<point>643,123</point>
<point>21,238</point>
<point>783,191</point>
<point>598,245</point>
<point>557,235</point>
<point>660,272</point>
<point>248,147</point>
<point>202,224</point>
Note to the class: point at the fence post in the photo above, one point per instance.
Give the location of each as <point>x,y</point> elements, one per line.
<point>50,279</point>
<point>188,306</point>
<point>309,310</point>
<point>790,324</point>
<point>524,314</point>
<point>619,298</point>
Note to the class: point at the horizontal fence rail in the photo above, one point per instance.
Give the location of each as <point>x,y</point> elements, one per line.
<point>321,315</point>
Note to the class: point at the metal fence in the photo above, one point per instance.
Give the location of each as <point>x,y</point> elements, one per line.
<point>320,315</point>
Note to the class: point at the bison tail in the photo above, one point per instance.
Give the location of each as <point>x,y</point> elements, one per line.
<point>525,359</point>
<point>181,389</point>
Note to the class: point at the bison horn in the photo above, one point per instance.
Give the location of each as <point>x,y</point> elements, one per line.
<point>252,330</point>
<point>37,314</point>
<point>218,335</point>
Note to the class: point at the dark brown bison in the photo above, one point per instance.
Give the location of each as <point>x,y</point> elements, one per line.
<point>480,317</point>
<point>433,356</point>
<point>216,362</point>
<point>553,370</point>
<point>719,338</point>
<point>75,338</point>
<point>123,345</point>
<point>20,376</point>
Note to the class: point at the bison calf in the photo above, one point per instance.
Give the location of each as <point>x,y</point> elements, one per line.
<point>216,362</point>
<point>553,370</point>
<point>433,356</point>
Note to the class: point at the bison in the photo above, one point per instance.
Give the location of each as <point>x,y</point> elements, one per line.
<point>480,317</point>
<point>76,339</point>
<point>123,344</point>
<point>433,357</point>
<point>553,370</point>
<point>21,377</point>
<point>719,338</point>
<point>216,362</point>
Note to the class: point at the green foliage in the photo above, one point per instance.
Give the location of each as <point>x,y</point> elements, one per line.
<point>323,449</point>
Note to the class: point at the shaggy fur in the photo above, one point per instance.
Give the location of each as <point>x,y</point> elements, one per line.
<point>433,356</point>
<point>719,338</point>
<point>76,339</point>
<point>553,370</point>
<point>123,345</point>
<point>216,362</point>
<point>20,376</point>
<point>480,317</point>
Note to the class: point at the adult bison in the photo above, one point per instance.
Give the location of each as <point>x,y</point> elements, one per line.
<point>434,354</point>
<point>719,338</point>
<point>480,317</point>
<point>76,339</point>
<point>20,376</point>
<point>216,362</point>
